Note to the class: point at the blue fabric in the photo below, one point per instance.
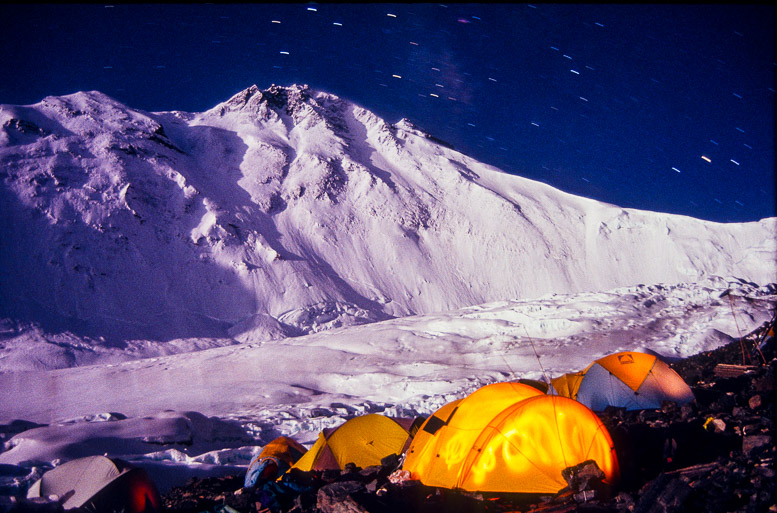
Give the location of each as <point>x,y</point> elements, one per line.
<point>600,389</point>
<point>256,468</point>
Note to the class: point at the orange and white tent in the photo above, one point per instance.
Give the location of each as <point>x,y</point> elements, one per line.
<point>275,459</point>
<point>630,380</point>
<point>508,438</point>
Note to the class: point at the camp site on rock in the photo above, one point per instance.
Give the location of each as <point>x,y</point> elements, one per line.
<point>712,453</point>
<point>507,447</point>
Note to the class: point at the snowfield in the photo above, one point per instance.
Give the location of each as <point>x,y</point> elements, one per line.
<point>178,289</point>
<point>209,412</point>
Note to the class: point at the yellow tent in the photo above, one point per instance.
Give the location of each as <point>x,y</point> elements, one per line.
<point>363,440</point>
<point>634,381</point>
<point>444,430</point>
<point>521,448</point>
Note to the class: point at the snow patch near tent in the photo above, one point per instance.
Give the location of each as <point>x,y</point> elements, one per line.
<point>98,434</point>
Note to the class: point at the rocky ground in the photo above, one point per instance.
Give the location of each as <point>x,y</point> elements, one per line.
<point>713,455</point>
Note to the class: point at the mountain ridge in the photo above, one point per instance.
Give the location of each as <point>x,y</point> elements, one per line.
<point>286,211</point>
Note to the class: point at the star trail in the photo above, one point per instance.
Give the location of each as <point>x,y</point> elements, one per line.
<point>660,107</point>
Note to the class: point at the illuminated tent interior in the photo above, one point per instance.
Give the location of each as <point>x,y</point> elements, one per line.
<point>363,440</point>
<point>508,437</point>
<point>468,415</point>
<point>97,483</point>
<point>634,381</point>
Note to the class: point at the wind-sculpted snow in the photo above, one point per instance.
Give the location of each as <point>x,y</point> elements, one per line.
<point>398,361</point>
<point>289,211</point>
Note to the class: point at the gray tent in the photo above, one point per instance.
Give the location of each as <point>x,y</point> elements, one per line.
<point>98,483</point>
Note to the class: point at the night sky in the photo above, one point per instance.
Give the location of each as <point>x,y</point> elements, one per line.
<point>660,107</point>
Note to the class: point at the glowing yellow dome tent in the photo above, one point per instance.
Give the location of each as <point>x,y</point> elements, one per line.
<point>444,429</point>
<point>519,446</point>
<point>634,381</point>
<point>363,440</point>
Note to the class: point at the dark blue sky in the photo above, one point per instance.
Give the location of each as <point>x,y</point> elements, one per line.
<point>660,107</point>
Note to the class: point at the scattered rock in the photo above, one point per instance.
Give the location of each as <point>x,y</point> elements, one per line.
<point>752,442</point>
<point>338,498</point>
<point>664,494</point>
<point>586,476</point>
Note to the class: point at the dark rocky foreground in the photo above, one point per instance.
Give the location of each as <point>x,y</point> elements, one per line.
<point>715,454</point>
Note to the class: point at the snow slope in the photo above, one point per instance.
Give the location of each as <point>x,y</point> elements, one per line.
<point>288,211</point>
<point>400,360</point>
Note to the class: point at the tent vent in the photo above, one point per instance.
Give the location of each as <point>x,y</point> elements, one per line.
<point>434,424</point>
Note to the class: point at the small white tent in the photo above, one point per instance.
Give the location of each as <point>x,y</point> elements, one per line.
<point>99,483</point>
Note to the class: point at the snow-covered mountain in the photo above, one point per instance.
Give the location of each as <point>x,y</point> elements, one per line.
<point>289,211</point>
<point>178,289</point>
